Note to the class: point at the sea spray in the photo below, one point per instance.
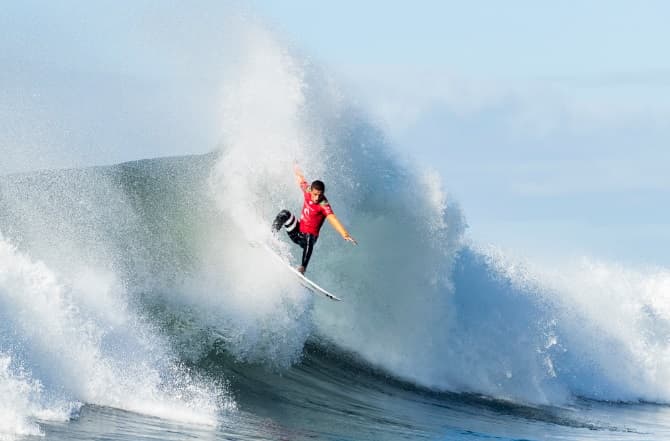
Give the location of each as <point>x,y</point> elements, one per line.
<point>279,111</point>
<point>23,403</point>
<point>617,320</point>
<point>589,328</point>
<point>268,314</point>
<point>82,354</point>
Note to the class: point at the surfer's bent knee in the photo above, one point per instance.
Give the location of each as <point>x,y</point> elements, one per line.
<point>291,222</point>
<point>285,219</point>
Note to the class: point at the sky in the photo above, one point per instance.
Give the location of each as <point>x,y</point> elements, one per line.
<point>548,122</point>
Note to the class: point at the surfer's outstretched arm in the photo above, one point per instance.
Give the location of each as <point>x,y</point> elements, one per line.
<point>299,177</point>
<point>335,222</point>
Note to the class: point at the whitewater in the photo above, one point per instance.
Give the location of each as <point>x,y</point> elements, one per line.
<point>133,307</point>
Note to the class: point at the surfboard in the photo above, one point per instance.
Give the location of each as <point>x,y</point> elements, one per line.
<point>304,281</point>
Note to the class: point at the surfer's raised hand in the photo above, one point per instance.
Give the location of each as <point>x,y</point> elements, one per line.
<point>299,176</point>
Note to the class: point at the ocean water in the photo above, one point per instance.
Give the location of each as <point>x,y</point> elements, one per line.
<point>132,306</point>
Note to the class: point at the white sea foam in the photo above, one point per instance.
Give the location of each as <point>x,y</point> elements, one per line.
<point>591,329</point>
<point>84,351</point>
<point>19,403</point>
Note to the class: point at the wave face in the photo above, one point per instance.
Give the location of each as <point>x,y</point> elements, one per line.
<point>114,279</point>
<point>73,255</point>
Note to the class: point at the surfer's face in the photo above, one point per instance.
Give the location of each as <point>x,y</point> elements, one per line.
<point>315,195</point>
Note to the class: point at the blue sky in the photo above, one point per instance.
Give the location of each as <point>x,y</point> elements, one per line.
<point>522,39</point>
<point>549,122</point>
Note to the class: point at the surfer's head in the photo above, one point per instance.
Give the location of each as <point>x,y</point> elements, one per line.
<point>316,191</point>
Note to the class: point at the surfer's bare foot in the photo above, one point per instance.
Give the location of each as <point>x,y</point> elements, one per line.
<point>301,269</point>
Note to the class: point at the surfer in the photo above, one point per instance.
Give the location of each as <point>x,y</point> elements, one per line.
<point>315,210</point>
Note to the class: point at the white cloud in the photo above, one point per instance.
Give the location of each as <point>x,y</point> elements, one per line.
<point>400,96</point>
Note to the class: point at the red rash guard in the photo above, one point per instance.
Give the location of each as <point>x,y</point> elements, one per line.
<point>313,214</point>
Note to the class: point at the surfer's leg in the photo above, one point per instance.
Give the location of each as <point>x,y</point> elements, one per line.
<point>284,219</point>
<point>292,225</point>
<point>310,240</point>
<point>293,230</point>
<point>297,237</point>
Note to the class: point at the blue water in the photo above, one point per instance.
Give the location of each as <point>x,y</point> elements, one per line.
<point>322,399</point>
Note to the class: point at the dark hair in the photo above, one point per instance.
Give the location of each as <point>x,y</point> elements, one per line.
<point>318,185</point>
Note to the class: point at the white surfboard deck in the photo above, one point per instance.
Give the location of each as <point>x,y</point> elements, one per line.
<point>304,281</point>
